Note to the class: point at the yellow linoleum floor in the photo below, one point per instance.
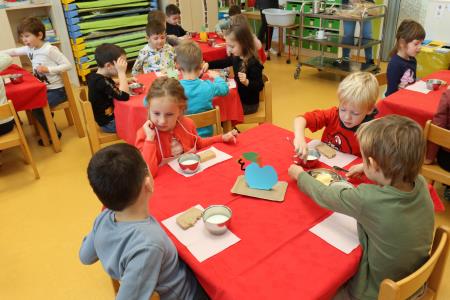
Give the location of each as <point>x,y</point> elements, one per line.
<point>43,221</point>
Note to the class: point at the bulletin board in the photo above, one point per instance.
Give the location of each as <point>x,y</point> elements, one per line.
<point>437,21</point>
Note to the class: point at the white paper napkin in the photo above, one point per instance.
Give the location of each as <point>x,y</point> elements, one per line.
<point>198,240</point>
<point>220,157</point>
<point>338,230</point>
<point>231,84</point>
<point>419,86</point>
<point>340,160</point>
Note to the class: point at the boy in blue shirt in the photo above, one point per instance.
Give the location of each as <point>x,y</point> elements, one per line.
<point>200,93</point>
<point>129,242</point>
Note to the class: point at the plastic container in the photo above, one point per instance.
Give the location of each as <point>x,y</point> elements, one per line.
<point>279,17</point>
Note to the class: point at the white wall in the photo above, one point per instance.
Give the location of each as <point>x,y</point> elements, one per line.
<point>413,9</point>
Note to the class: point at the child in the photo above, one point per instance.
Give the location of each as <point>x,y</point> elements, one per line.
<point>442,119</point>
<point>168,134</point>
<point>126,238</point>
<point>156,55</point>
<point>224,24</point>
<point>173,19</point>
<point>357,95</point>
<point>246,66</point>
<point>6,125</point>
<point>401,69</point>
<point>111,61</point>
<point>157,15</point>
<point>47,61</point>
<point>200,93</point>
<point>395,216</point>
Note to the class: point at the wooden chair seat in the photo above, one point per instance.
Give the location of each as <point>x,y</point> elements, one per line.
<point>9,140</point>
<point>257,117</point>
<point>436,173</point>
<point>264,113</point>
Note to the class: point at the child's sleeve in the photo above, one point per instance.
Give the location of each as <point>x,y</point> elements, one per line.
<point>182,31</point>
<point>318,119</point>
<point>137,67</point>
<point>141,273</point>
<point>394,73</point>
<point>221,63</point>
<point>440,119</point>
<point>339,199</point>
<point>220,87</point>
<point>254,76</point>
<point>148,151</point>
<point>16,51</point>
<point>110,89</point>
<point>63,64</point>
<point>87,254</point>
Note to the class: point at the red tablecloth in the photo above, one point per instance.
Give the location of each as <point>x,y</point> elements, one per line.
<point>417,106</point>
<point>131,115</point>
<point>277,257</point>
<point>211,53</point>
<point>29,94</point>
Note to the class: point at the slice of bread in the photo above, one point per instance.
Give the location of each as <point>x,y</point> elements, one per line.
<point>207,155</point>
<point>189,218</point>
<point>326,150</point>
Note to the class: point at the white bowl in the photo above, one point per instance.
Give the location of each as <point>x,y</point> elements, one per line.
<point>279,17</point>
<point>216,218</point>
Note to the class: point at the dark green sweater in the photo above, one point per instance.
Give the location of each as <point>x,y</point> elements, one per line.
<point>395,228</point>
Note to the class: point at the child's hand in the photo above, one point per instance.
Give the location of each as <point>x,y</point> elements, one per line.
<point>301,148</point>
<point>149,129</point>
<point>213,74</point>
<point>294,171</point>
<point>121,65</point>
<point>42,69</point>
<point>355,171</point>
<point>230,136</point>
<point>243,78</point>
<point>205,67</point>
<point>427,161</point>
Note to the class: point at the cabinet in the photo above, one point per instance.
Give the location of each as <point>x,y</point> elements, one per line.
<point>10,17</point>
<point>196,14</point>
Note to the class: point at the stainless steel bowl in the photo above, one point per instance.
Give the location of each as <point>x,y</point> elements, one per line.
<point>217,218</point>
<point>434,84</point>
<point>334,175</point>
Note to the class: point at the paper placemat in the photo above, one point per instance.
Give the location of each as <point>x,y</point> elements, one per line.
<point>419,86</point>
<point>338,230</point>
<point>341,159</point>
<point>231,83</point>
<point>198,240</point>
<point>220,157</point>
<point>276,194</point>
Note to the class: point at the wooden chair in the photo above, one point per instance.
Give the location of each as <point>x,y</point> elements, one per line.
<point>441,137</point>
<point>70,106</point>
<point>95,135</point>
<point>210,117</point>
<point>116,286</point>
<point>16,136</point>
<point>264,113</point>
<point>381,78</point>
<point>431,273</point>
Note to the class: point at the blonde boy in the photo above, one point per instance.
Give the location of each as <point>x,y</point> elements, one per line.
<point>157,55</point>
<point>395,216</point>
<point>357,95</point>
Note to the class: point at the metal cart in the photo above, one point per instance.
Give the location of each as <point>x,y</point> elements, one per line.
<point>338,66</point>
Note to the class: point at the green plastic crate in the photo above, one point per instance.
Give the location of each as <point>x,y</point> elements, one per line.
<point>331,24</point>
<point>308,32</point>
<point>310,45</point>
<point>294,6</point>
<point>314,22</point>
<point>308,8</point>
<point>333,1</point>
<point>331,49</point>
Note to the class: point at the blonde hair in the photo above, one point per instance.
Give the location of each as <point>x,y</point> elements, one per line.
<point>360,88</point>
<point>397,145</point>
<point>188,56</point>
<point>167,87</point>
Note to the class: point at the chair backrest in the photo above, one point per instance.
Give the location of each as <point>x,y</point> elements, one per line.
<point>91,125</point>
<point>431,271</point>
<point>68,86</point>
<point>266,97</point>
<point>437,135</point>
<point>6,110</point>
<point>381,78</point>
<point>210,117</point>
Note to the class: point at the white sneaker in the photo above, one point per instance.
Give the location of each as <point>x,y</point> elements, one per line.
<point>273,51</point>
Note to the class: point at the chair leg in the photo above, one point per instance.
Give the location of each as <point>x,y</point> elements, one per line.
<point>32,121</point>
<point>69,116</point>
<point>77,119</point>
<point>29,117</point>
<point>29,158</point>
<point>25,156</point>
<point>42,134</point>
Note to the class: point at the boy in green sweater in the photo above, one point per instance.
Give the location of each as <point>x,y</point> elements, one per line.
<point>395,216</point>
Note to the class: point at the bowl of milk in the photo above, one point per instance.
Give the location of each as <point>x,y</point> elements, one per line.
<point>217,218</point>
<point>189,163</point>
<point>312,160</point>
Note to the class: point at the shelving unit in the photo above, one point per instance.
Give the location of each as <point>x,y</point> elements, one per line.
<point>335,40</point>
<point>92,23</point>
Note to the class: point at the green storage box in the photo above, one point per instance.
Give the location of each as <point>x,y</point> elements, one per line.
<point>308,8</point>
<point>310,45</point>
<point>330,49</point>
<point>333,1</point>
<point>314,22</point>
<point>331,24</point>
<point>294,6</point>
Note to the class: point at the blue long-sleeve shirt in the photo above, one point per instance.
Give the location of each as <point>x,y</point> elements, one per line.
<point>141,256</point>
<point>200,94</point>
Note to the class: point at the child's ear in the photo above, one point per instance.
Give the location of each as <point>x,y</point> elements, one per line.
<point>40,35</point>
<point>148,184</point>
<point>373,164</point>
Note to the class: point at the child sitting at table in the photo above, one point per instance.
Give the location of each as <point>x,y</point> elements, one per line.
<point>157,15</point>
<point>111,61</point>
<point>246,66</point>
<point>126,238</point>
<point>357,95</point>
<point>173,19</point>
<point>168,133</point>
<point>224,24</point>
<point>395,216</point>
<point>401,70</point>
<point>47,62</point>
<point>157,55</point>
<point>200,93</point>
<point>442,155</point>
<point>6,125</point>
